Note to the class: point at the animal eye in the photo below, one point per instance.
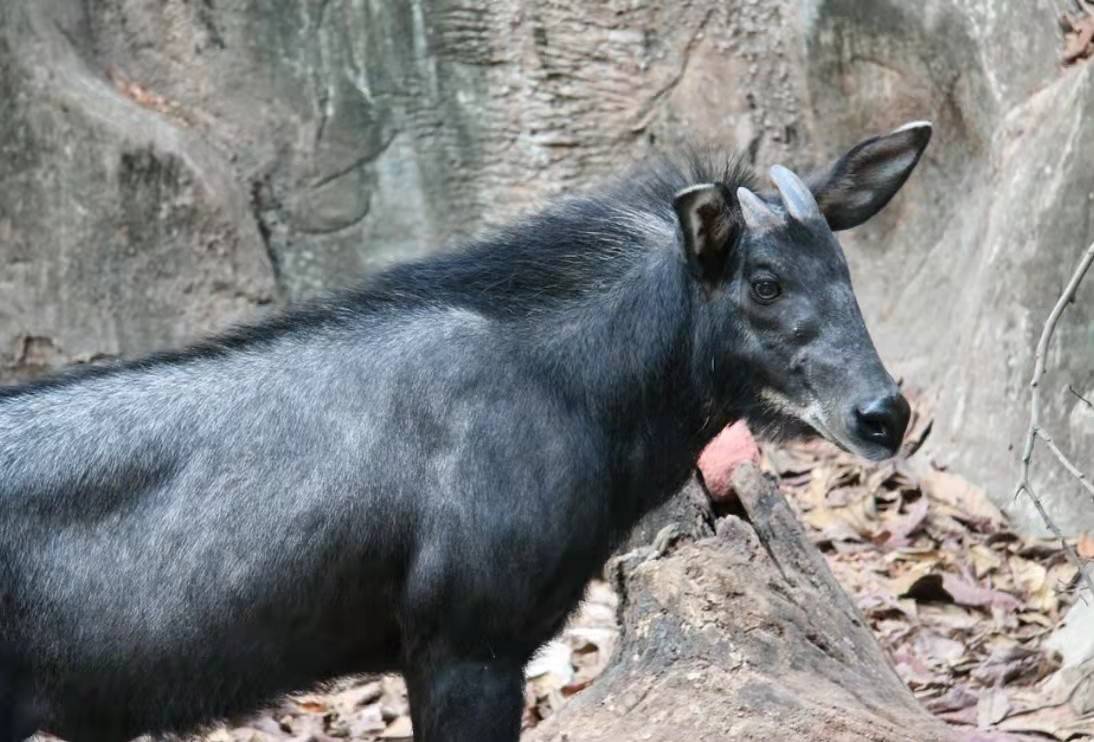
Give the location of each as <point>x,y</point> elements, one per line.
<point>766,290</point>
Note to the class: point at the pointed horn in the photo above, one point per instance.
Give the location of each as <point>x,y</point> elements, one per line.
<point>758,216</point>
<point>799,200</point>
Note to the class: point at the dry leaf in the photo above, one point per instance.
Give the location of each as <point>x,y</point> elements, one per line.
<point>363,723</point>
<point>1085,545</point>
<point>354,697</point>
<point>398,729</point>
<point>1006,664</point>
<point>306,725</point>
<point>311,704</point>
<point>902,583</point>
<point>789,462</point>
<point>831,526</point>
<point>992,707</point>
<point>984,560</point>
<point>393,702</point>
<point>898,531</point>
<point>967,593</point>
<point>1036,617</point>
<point>1058,722</point>
<point>950,618</point>
<point>552,662</point>
<point>969,501</point>
<point>1077,41</point>
<point>1032,579</point>
<point>937,649</point>
<point>956,698</point>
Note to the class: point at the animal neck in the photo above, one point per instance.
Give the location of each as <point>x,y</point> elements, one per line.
<point>631,358</point>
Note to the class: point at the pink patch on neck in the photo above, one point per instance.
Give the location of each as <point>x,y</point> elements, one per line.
<point>731,448</point>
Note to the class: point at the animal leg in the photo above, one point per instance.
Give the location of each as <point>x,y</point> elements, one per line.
<point>15,725</point>
<point>457,697</point>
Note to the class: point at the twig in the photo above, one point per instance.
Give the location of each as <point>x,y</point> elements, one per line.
<point>1080,397</point>
<point>1063,459</point>
<point>1034,432</point>
<point>1072,557</point>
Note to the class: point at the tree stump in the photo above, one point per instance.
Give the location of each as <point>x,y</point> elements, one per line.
<point>743,634</point>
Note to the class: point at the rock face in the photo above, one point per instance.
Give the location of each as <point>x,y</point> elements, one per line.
<point>120,230</point>
<point>171,167</point>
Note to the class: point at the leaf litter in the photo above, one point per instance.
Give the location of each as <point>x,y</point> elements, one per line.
<point>964,606</point>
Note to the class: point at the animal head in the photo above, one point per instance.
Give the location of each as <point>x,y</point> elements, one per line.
<point>775,280</point>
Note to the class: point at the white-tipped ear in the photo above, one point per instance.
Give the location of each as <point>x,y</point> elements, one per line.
<point>758,216</point>
<point>913,125</point>
<point>859,184</point>
<point>798,199</point>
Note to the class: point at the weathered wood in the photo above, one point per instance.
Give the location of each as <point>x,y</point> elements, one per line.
<point>688,514</point>
<point>744,635</point>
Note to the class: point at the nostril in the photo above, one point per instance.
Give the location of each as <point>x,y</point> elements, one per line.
<point>883,420</point>
<point>873,425</point>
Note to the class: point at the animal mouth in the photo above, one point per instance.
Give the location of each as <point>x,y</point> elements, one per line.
<point>864,449</point>
<point>824,432</point>
<point>812,416</point>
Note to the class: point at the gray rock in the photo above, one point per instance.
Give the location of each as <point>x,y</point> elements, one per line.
<point>121,232</point>
<point>171,167</point>
<point>1073,639</point>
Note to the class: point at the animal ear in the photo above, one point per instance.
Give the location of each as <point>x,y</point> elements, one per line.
<point>710,222</point>
<point>861,182</point>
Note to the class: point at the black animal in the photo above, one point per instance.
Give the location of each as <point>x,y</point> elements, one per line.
<point>422,474</point>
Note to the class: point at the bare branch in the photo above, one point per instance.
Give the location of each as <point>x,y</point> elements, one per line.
<point>1034,431</point>
<point>1080,397</point>
<point>1072,557</point>
<point>1063,459</point>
